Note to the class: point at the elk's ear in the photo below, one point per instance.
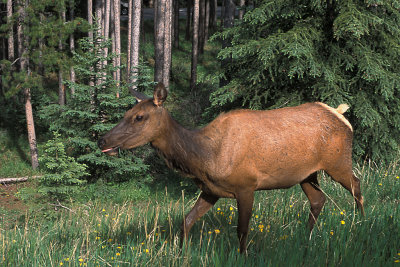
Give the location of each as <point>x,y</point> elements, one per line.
<point>160,94</point>
<point>138,95</point>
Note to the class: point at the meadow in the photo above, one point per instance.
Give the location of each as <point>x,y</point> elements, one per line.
<point>147,233</point>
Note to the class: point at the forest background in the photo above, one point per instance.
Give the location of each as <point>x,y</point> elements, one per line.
<point>68,68</point>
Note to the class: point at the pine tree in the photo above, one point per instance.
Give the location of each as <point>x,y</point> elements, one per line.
<point>92,111</point>
<point>289,52</point>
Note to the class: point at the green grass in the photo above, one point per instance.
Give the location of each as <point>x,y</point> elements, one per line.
<point>147,233</point>
<point>14,155</point>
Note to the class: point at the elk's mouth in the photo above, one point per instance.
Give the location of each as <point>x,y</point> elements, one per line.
<point>111,151</point>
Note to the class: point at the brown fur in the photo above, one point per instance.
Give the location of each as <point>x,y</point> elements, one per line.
<point>243,151</point>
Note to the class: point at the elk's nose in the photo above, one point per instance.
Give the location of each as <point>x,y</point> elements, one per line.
<point>101,142</point>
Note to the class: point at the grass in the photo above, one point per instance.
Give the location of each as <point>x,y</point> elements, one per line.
<point>147,232</point>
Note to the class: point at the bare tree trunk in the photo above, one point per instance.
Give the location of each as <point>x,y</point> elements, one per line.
<point>106,32</point>
<point>90,18</point>
<point>24,63</point>
<point>100,24</point>
<point>195,45</point>
<point>159,40</point>
<point>167,43</point>
<point>90,33</point>
<point>241,11</point>
<point>202,16</point>
<point>11,54</point>
<point>117,38</point>
<point>128,65</point>
<point>72,44</point>
<point>61,87</point>
<point>213,14</point>
<point>136,14</point>
<point>188,19</point>
<point>207,21</point>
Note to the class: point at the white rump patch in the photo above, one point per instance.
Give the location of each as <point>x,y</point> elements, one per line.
<point>338,112</point>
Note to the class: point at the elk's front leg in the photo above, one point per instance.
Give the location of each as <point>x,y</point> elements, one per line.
<point>203,204</point>
<point>245,205</point>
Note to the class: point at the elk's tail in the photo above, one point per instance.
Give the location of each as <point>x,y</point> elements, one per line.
<point>342,108</point>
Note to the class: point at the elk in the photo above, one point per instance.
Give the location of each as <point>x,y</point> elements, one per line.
<point>243,151</point>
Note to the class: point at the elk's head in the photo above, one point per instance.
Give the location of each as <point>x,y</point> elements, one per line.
<point>141,124</point>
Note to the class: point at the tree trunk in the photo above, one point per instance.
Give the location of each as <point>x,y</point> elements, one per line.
<point>106,35</point>
<point>188,19</point>
<point>72,44</point>
<point>213,15</point>
<point>100,24</point>
<point>202,20</point>
<point>167,43</point>
<point>195,45</point>
<point>136,14</point>
<point>241,11</point>
<point>117,38</point>
<point>128,64</point>
<point>90,33</point>
<point>207,21</point>
<point>11,55</point>
<point>61,87</point>
<point>24,63</point>
<point>90,18</point>
<point>159,40</point>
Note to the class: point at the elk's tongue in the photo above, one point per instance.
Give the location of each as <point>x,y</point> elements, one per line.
<point>107,150</point>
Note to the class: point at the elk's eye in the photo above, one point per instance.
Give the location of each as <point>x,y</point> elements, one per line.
<point>139,118</point>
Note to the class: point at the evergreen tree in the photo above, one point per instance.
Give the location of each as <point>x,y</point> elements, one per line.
<point>93,110</point>
<point>62,173</point>
<point>289,52</point>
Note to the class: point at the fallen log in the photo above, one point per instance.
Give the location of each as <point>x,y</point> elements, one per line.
<point>18,179</point>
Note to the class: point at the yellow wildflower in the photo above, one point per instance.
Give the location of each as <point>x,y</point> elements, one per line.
<point>331,232</point>
<point>97,237</point>
<point>342,222</point>
<point>217,231</point>
<point>61,263</point>
<point>80,260</point>
<point>147,251</point>
<point>117,254</point>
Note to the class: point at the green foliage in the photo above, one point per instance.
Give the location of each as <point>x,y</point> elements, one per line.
<point>62,172</point>
<point>91,111</point>
<point>284,53</point>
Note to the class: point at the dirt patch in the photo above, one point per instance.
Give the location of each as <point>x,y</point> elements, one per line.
<point>8,197</point>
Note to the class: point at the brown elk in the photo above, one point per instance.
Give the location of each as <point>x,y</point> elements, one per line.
<point>243,151</point>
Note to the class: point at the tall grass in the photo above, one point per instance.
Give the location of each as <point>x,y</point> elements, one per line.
<point>147,233</point>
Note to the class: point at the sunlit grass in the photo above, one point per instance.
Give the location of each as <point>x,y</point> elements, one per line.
<point>147,233</point>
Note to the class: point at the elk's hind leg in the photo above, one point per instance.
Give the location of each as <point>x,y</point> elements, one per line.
<point>316,197</point>
<point>349,181</point>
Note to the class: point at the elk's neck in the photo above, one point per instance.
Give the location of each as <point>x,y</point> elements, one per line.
<point>185,150</point>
